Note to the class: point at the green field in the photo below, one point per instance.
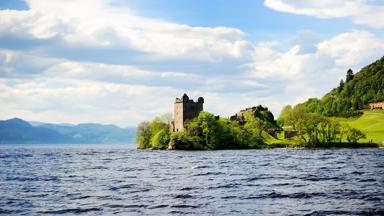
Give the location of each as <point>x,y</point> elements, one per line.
<point>371,123</point>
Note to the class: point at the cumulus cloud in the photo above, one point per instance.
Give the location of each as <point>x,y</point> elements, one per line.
<point>95,23</point>
<point>351,49</point>
<point>361,11</point>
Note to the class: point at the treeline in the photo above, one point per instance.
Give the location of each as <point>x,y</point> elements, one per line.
<point>206,132</point>
<point>315,130</point>
<point>353,94</point>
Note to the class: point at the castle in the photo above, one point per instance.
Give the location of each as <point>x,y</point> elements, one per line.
<point>185,109</point>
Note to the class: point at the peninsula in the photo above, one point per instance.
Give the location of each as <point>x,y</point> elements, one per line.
<point>336,120</point>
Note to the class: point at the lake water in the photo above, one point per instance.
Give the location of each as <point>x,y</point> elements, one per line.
<point>120,180</point>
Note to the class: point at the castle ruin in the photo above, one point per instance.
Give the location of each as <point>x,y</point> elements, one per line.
<point>185,109</point>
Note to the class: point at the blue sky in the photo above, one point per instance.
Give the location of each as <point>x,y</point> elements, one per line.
<point>248,15</point>
<point>123,62</point>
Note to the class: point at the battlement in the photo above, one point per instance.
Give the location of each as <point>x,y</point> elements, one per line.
<point>185,99</point>
<point>185,109</point>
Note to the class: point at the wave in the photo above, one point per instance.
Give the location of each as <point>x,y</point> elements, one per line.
<point>71,211</point>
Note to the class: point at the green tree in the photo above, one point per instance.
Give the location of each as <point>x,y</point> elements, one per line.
<point>354,135</point>
<point>349,76</point>
<point>143,135</point>
<point>341,86</point>
<point>285,112</point>
<point>210,130</point>
<point>161,139</point>
<point>157,125</point>
<point>314,130</point>
<point>183,141</point>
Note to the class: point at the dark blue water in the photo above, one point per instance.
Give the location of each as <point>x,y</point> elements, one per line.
<point>106,180</point>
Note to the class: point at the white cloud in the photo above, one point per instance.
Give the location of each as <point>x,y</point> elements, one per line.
<point>353,48</point>
<point>361,11</point>
<point>95,23</point>
<point>347,50</point>
<point>16,64</point>
<point>37,66</point>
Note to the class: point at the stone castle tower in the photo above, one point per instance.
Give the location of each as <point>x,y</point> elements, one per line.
<point>185,109</point>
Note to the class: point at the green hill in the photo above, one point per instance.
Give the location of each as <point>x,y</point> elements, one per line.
<point>346,103</point>
<point>371,123</point>
<point>353,94</point>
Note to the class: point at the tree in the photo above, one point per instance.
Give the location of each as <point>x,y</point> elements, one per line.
<point>146,132</point>
<point>143,135</point>
<point>315,130</point>
<point>354,135</point>
<point>210,130</point>
<point>341,86</point>
<point>161,139</point>
<point>350,75</point>
<point>157,125</point>
<point>183,141</point>
<point>285,112</point>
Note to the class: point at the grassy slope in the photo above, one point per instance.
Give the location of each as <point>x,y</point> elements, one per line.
<point>372,124</point>
<point>280,142</point>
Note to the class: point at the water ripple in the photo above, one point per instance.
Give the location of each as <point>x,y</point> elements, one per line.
<point>120,180</point>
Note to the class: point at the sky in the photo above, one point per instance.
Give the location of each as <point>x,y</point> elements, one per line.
<point>125,61</point>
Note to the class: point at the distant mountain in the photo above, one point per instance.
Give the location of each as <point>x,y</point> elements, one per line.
<point>353,94</point>
<point>37,123</point>
<point>18,131</point>
<point>94,133</point>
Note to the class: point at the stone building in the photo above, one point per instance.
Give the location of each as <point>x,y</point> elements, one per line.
<point>185,109</point>
<point>253,110</point>
<point>379,105</point>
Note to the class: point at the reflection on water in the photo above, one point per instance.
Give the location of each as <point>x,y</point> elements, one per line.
<point>118,179</point>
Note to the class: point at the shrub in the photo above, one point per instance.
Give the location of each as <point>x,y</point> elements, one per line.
<point>161,139</point>
<point>143,135</point>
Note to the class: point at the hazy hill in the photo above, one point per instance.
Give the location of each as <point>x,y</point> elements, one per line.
<point>18,131</point>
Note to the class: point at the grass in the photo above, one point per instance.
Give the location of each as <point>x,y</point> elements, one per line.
<point>280,141</point>
<point>371,123</point>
